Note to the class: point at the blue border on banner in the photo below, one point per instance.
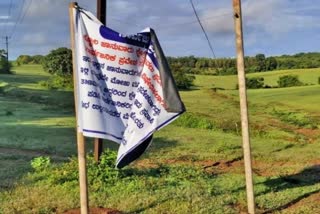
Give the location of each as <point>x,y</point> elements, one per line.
<point>109,34</point>
<point>100,132</point>
<point>153,59</point>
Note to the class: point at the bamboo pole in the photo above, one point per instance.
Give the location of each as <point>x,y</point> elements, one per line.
<point>101,15</point>
<point>84,205</point>
<point>243,106</point>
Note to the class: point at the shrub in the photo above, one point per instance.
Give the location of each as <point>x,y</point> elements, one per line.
<point>5,66</point>
<point>182,79</point>
<point>104,172</point>
<point>56,82</point>
<point>58,62</point>
<point>289,81</point>
<point>255,82</point>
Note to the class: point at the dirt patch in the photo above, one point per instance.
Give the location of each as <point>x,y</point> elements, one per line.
<point>235,166</point>
<point>95,210</point>
<point>309,201</point>
<point>311,134</point>
<point>210,166</point>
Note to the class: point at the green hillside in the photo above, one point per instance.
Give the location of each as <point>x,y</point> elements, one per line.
<point>194,165</point>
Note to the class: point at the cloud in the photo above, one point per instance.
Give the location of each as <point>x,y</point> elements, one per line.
<point>46,23</point>
<point>269,17</point>
<point>275,17</point>
<point>4,17</point>
<point>6,23</point>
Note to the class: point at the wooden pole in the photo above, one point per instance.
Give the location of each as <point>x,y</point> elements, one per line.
<point>80,138</point>
<point>7,47</point>
<point>101,15</point>
<point>102,11</point>
<point>243,105</point>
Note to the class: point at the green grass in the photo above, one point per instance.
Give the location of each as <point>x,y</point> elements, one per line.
<point>194,165</point>
<point>305,98</point>
<point>307,76</point>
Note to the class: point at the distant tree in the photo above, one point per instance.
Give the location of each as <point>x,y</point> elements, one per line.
<point>271,63</point>
<point>58,62</point>
<point>191,61</point>
<point>261,62</point>
<point>287,63</point>
<point>182,79</point>
<point>23,59</point>
<point>3,53</point>
<point>37,59</point>
<point>201,63</point>
<point>4,64</point>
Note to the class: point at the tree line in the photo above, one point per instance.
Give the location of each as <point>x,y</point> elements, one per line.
<point>59,63</point>
<point>257,63</point>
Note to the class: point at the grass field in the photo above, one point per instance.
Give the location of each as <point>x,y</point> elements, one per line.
<point>194,165</point>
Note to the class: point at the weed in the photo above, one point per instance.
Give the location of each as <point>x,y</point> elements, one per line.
<point>295,118</point>
<point>40,163</point>
<point>190,120</point>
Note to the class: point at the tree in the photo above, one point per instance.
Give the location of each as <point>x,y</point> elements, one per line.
<point>4,64</point>
<point>23,59</point>
<point>261,62</point>
<point>201,63</point>
<point>37,59</point>
<point>58,62</point>
<point>3,53</point>
<point>271,63</point>
<point>183,80</point>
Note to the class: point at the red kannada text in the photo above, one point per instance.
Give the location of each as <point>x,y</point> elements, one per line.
<point>154,91</point>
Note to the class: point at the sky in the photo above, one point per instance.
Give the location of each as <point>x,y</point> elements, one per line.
<point>271,27</point>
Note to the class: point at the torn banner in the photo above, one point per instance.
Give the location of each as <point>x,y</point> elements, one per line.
<point>124,87</point>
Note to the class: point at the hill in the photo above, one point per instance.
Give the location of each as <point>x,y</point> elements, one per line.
<point>194,165</point>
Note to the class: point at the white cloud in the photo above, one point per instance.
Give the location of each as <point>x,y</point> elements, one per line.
<point>276,17</point>
<point>46,25</point>
<point>34,39</point>
<point>4,17</point>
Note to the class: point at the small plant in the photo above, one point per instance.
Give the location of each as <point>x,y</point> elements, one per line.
<point>319,80</point>
<point>40,163</point>
<point>105,171</point>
